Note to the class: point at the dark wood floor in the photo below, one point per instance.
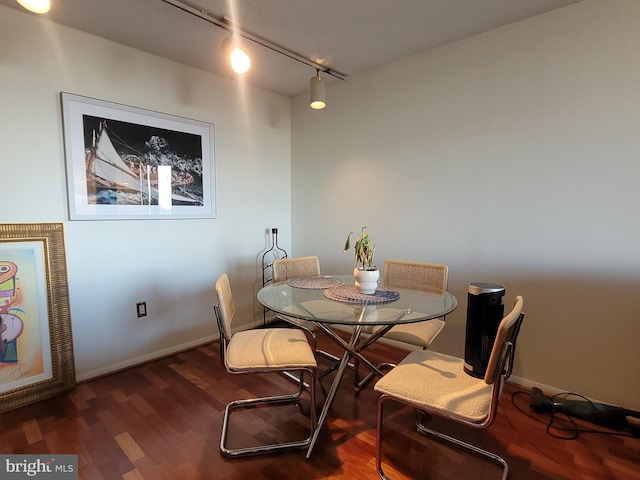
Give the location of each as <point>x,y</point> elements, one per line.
<point>162,420</point>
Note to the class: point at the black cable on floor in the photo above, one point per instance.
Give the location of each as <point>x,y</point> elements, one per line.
<point>569,433</point>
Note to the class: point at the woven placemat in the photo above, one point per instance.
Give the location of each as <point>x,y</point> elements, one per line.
<point>314,283</point>
<point>350,294</point>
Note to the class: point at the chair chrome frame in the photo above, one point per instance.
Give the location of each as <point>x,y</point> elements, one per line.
<point>256,402</point>
<point>502,372</point>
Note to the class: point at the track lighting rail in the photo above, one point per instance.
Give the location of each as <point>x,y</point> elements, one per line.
<point>233,28</point>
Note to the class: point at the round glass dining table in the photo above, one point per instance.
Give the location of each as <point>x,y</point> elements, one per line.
<point>313,304</point>
<point>323,300</point>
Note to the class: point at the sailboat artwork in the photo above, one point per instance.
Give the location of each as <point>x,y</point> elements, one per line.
<point>125,162</point>
<point>128,176</point>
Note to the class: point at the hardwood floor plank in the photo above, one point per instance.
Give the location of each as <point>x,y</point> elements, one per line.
<point>141,404</point>
<point>32,431</point>
<point>129,446</point>
<point>132,475</point>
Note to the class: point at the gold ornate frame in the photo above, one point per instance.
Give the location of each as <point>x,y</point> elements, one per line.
<point>47,241</point>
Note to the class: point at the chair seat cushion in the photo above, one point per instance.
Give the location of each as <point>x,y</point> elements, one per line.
<point>436,382</point>
<point>269,348</point>
<point>420,334</point>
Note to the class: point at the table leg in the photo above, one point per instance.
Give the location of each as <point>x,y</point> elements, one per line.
<point>328,402</point>
<point>352,347</point>
<point>334,386</point>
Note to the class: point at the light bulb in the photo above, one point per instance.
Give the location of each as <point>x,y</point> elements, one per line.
<point>37,6</point>
<point>238,58</point>
<point>240,61</point>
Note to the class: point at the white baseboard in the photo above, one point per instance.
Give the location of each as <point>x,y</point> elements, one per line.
<point>529,384</point>
<point>132,362</point>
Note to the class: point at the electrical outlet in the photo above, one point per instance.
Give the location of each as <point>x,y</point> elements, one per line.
<point>141,309</point>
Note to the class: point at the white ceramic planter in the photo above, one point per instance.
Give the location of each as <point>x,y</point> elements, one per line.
<point>366,280</point>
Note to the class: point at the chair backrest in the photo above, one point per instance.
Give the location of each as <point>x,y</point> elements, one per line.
<point>286,268</point>
<point>503,351</point>
<point>226,308</point>
<point>428,277</point>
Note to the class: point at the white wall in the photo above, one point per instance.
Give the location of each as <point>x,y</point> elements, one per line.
<point>513,157</point>
<point>170,264</point>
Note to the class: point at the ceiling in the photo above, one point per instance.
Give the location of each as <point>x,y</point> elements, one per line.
<point>350,36</point>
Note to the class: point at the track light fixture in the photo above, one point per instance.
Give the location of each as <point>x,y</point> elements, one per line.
<point>318,94</point>
<point>36,6</point>
<point>239,59</point>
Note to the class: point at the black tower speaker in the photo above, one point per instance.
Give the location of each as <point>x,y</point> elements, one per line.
<point>485,310</point>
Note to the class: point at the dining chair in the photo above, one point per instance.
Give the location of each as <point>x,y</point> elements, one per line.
<point>437,384</point>
<point>426,277</point>
<point>286,268</point>
<point>262,350</point>
<point>295,267</point>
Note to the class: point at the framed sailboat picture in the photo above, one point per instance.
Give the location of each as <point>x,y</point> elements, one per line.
<point>128,163</point>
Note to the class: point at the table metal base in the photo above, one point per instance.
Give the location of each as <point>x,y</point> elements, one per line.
<point>352,348</point>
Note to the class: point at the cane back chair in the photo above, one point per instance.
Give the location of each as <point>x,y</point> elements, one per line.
<point>437,384</point>
<point>262,350</point>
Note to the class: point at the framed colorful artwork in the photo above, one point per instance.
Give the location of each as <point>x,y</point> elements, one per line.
<point>128,163</point>
<point>36,348</point>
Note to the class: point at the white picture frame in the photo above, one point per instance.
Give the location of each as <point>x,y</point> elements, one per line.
<point>129,163</point>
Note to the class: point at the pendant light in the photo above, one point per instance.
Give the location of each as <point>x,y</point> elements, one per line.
<point>36,6</point>
<point>317,92</point>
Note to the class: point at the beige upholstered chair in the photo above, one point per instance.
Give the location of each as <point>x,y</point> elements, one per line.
<point>261,351</point>
<point>437,384</point>
<point>286,268</point>
<point>428,277</point>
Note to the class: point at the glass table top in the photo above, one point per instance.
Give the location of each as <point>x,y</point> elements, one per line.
<point>312,304</point>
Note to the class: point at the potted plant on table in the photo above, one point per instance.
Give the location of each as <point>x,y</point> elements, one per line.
<point>365,272</point>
